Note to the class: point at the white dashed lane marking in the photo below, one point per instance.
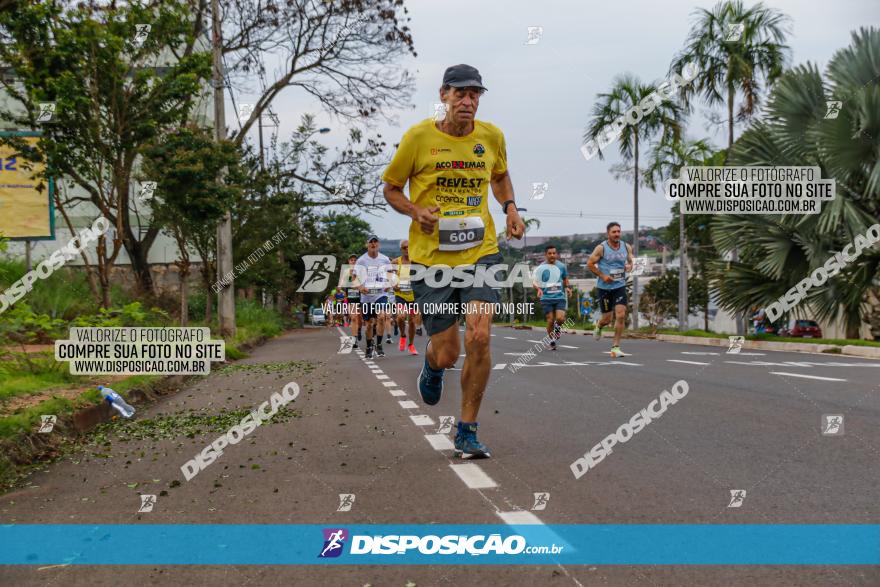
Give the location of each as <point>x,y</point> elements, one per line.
<point>439,442</point>
<point>389,384</point>
<point>473,476</point>
<point>396,392</point>
<point>380,377</point>
<point>519,518</point>
<point>422,420</point>
<point>686,362</point>
<point>408,404</point>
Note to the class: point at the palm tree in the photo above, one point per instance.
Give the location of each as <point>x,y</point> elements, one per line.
<point>667,159</point>
<point>626,92</point>
<point>731,67</point>
<point>780,250</point>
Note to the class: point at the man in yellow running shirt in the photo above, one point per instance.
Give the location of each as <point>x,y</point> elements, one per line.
<point>449,165</point>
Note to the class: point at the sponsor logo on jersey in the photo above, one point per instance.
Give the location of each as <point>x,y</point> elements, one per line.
<point>462,164</point>
<point>459,182</point>
<point>479,150</point>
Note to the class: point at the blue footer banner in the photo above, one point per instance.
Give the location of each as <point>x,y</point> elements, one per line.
<point>373,544</point>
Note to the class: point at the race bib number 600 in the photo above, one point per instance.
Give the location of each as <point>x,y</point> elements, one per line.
<point>458,234</point>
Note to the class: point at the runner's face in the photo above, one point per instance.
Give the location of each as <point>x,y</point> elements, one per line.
<point>614,234</point>
<point>462,104</point>
<point>551,255</point>
<point>404,251</point>
<point>373,247</point>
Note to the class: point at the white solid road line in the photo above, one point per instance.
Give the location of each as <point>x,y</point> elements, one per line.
<point>422,420</point>
<point>801,364</point>
<point>396,392</point>
<point>686,362</point>
<point>439,442</point>
<point>569,363</point>
<point>408,404</point>
<point>473,476</point>
<point>806,376</point>
<point>696,353</point>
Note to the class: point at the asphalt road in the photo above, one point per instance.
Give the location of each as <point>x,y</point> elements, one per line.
<point>750,421</point>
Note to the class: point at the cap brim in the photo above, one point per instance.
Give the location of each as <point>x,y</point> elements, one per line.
<point>469,84</point>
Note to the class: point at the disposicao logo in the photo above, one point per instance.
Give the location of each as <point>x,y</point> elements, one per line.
<point>334,542</point>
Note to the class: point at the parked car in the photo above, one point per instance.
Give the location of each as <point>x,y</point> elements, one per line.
<point>802,329</point>
<point>317,317</point>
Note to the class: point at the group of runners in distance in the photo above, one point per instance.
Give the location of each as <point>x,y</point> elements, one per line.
<point>368,304</point>
<point>449,165</point>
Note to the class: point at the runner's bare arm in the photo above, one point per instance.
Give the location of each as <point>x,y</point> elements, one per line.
<point>594,258</point>
<point>629,258</point>
<point>426,217</point>
<point>502,189</point>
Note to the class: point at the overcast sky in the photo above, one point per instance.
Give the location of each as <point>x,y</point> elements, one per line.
<point>541,95</point>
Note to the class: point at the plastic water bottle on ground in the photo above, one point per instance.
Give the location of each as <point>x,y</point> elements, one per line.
<point>116,401</point>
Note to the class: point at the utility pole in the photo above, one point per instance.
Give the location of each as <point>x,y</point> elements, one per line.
<point>226,296</point>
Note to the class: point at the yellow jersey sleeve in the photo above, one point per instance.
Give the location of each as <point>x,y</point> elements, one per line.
<point>402,164</point>
<point>500,165</point>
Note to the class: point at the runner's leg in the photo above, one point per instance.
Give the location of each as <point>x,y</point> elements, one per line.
<point>620,317</point>
<point>444,348</point>
<point>477,363</point>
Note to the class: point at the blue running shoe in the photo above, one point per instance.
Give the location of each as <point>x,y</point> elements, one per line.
<point>466,444</point>
<point>430,381</point>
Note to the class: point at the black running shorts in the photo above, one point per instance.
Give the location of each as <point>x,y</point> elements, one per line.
<point>428,298</point>
<point>608,298</point>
